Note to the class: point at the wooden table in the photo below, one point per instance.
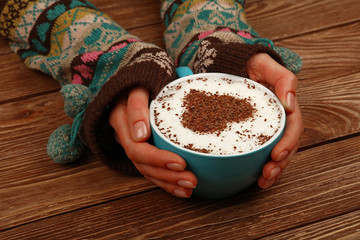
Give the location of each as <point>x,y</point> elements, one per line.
<point>317,197</point>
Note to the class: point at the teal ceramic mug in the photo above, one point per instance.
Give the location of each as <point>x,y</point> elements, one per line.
<point>220,176</point>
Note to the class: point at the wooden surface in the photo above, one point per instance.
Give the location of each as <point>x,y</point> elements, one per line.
<point>317,196</point>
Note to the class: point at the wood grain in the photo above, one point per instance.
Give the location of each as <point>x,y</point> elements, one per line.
<point>131,14</point>
<point>326,105</point>
<point>281,19</point>
<point>4,47</point>
<point>319,191</point>
<point>327,54</point>
<point>317,196</point>
<point>330,108</point>
<point>325,108</point>
<point>18,81</point>
<point>32,186</point>
<point>343,227</point>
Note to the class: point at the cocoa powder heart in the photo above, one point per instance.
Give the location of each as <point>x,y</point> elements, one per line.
<point>206,112</point>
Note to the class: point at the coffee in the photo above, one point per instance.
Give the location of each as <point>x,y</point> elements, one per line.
<point>218,116</point>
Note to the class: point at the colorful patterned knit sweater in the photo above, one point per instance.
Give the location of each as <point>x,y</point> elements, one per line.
<point>96,61</point>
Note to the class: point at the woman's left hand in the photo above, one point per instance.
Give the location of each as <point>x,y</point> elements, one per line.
<point>262,68</point>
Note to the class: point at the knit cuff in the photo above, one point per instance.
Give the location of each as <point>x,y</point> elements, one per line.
<point>149,68</point>
<point>215,56</point>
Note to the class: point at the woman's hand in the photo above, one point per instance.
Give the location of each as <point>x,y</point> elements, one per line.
<point>130,119</point>
<point>262,68</point>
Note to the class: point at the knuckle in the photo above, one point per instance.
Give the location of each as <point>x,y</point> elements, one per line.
<point>259,60</point>
<point>292,78</point>
<point>118,110</point>
<point>131,154</point>
<point>136,105</point>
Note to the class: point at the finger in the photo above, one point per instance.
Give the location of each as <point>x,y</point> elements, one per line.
<point>273,169</point>
<point>261,67</point>
<point>138,114</point>
<point>264,183</point>
<point>172,189</point>
<point>293,131</point>
<point>185,179</point>
<point>118,121</point>
<point>147,154</point>
<point>142,152</point>
<point>164,168</point>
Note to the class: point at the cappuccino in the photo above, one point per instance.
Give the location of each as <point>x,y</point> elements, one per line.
<point>218,116</point>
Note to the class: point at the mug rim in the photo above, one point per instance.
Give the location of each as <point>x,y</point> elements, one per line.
<point>263,88</point>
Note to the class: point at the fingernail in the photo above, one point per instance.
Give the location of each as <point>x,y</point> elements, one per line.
<point>140,131</point>
<point>175,167</point>
<point>186,184</point>
<point>290,102</point>
<point>275,172</point>
<point>268,183</point>
<point>282,156</point>
<point>180,193</point>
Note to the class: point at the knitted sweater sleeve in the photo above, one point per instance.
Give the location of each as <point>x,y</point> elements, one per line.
<point>214,36</point>
<point>93,58</point>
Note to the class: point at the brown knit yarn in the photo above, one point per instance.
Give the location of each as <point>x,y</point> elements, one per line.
<point>143,70</point>
<point>230,58</point>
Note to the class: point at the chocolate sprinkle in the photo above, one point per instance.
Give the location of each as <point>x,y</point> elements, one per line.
<point>263,139</point>
<point>191,147</point>
<point>210,113</point>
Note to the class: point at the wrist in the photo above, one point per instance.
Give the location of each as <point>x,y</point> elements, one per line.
<point>231,58</point>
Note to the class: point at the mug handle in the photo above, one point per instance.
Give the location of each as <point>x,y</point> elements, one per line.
<point>183,72</point>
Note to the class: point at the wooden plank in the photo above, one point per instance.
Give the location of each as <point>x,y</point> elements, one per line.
<point>327,54</point>
<point>32,121</point>
<point>329,82</point>
<point>327,185</point>
<point>280,19</point>
<point>30,172</point>
<point>354,236</point>
<point>151,34</point>
<point>345,226</point>
<point>131,14</point>
<point>330,108</point>
<point>4,47</point>
<point>32,186</point>
<point>18,81</point>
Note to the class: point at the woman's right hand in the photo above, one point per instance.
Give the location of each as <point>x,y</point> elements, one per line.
<point>130,119</point>
<point>262,68</point>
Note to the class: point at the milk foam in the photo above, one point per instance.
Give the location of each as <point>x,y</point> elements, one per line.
<point>237,137</point>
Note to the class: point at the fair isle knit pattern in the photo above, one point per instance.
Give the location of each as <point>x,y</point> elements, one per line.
<point>92,57</point>
<point>190,22</point>
<point>57,35</point>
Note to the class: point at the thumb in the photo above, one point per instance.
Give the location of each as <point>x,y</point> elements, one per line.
<point>138,114</point>
<point>261,67</point>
